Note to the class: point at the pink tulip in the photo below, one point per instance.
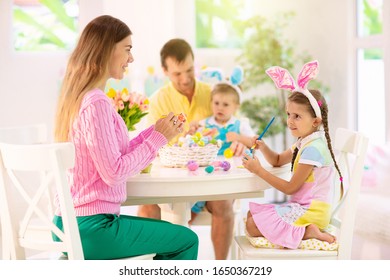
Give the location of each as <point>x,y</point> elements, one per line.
<point>125,97</point>
<point>117,96</point>
<point>131,104</point>
<point>121,105</point>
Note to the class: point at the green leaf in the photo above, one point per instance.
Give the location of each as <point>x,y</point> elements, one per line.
<point>132,116</point>
<point>266,46</point>
<point>225,11</point>
<point>21,16</point>
<point>58,9</point>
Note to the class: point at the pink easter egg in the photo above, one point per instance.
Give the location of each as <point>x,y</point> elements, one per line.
<point>192,165</point>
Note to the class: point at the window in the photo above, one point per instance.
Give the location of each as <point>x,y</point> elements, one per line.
<point>371,70</point>
<point>219,22</point>
<point>371,94</point>
<point>369,15</point>
<point>45,25</point>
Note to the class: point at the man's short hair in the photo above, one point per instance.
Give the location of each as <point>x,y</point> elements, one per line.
<point>177,49</point>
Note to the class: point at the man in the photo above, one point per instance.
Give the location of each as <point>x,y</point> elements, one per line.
<point>185,94</point>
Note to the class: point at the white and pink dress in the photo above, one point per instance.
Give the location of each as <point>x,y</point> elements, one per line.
<point>285,224</point>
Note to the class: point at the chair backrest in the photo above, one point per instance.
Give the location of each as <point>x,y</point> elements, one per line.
<point>351,147</point>
<point>26,134</point>
<point>51,160</point>
<point>29,134</point>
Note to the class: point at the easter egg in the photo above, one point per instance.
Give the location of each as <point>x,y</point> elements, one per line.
<point>209,169</point>
<point>228,153</point>
<point>182,117</point>
<point>192,165</point>
<point>249,152</point>
<point>225,165</point>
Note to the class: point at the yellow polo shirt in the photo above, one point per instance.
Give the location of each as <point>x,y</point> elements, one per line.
<point>168,99</point>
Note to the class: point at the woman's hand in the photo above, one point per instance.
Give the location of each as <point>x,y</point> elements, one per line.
<point>169,126</point>
<point>252,164</point>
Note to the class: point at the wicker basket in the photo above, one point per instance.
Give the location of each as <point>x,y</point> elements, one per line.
<point>175,156</point>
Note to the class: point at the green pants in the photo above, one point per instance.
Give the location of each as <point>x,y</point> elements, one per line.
<point>108,236</point>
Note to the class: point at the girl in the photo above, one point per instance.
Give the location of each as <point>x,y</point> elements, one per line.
<point>105,157</point>
<point>307,212</point>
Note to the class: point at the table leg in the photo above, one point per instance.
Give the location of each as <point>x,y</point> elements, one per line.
<point>179,214</point>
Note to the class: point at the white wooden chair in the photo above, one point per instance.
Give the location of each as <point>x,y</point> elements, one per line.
<point>51,161</point>
<point>28,134</point>
<point>351,147</point>
<point>33,227</point>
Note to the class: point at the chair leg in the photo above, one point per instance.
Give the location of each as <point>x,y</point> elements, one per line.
<point>236,231</point>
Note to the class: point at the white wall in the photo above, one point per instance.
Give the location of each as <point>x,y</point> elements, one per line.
<point>30,83</point>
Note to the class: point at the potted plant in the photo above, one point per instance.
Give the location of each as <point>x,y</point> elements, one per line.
<point>265,46</point>
<point>260,110</point>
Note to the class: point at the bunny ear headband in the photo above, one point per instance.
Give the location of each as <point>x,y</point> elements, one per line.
<point>234,81</point>
<point>283,80</point>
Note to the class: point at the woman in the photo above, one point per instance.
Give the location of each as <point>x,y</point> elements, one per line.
<point>105,157</point>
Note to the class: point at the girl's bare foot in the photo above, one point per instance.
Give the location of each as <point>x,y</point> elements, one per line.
<point>312,231</point>
<point>193,215</point>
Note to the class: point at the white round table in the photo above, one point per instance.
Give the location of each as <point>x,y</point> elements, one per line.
<point>182,187</point>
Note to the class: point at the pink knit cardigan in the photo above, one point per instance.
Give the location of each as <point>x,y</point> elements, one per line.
<point>105,157</point>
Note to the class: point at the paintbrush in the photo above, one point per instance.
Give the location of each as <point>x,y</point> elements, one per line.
<point>262,134</point>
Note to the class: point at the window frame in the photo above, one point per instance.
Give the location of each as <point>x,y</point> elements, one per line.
<point>381,41</point>
<point>65,49</point>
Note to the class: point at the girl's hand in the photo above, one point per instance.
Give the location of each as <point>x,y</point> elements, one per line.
<point>251,164</point>
<point>259,144</point>
<point>254,139</point>
<point>169,126</point>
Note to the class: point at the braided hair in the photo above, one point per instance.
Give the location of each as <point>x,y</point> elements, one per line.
<point>299,98</point>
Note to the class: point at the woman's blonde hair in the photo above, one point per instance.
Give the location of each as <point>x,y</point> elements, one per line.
<point>87,67</point>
